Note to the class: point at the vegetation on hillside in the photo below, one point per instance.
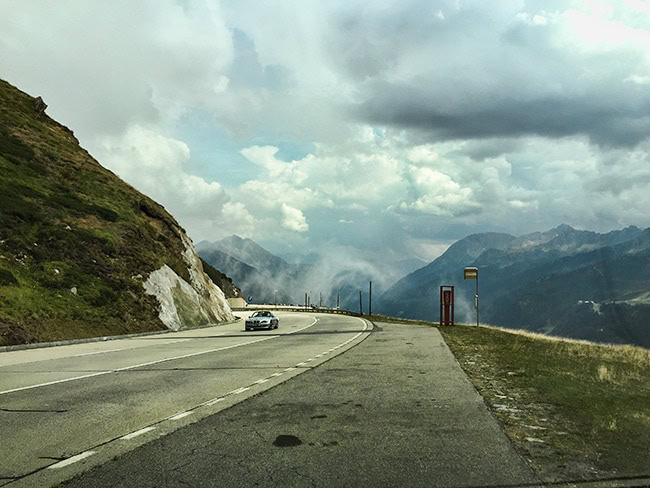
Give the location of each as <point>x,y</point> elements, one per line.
<point>221,280</point>
<point>76,242</point>
<point>575,410</point>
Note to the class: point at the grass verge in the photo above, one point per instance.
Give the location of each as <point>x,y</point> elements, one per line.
<point>575,410</point>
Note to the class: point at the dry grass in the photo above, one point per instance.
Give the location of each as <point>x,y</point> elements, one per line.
<point>586,405</point>
<point>610,352</point>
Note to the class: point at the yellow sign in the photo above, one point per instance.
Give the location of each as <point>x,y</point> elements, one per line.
<point>471,273</point>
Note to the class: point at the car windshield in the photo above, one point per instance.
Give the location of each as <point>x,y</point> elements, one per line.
<point>408,241</point>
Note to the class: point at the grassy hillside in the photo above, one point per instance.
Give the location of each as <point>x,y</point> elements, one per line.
<point>76,242</point>
<point>575,410</point>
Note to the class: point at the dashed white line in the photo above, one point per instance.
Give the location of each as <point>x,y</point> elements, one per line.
<point>137,433</point>
<point>181,415</point>
<point>71,460</point>
<point>84,455</point>
<point>213,402</point>
<point>239,390</point>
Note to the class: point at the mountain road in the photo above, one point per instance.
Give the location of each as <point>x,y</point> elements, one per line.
<point>64,409</point>
<point>395,410</point>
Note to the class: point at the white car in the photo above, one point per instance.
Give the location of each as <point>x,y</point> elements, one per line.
<point>262,320</point>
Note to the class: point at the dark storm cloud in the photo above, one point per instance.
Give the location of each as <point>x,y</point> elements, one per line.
<point>603,118</point>
<point>461,70</point>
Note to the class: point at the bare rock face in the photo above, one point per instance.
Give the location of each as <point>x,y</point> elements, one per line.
<point>188,304</point>
<point>40,106</point>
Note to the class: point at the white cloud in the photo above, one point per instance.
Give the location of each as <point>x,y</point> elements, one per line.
<point>104,68</point>
<point>293,219</point>
<point>154,164</point>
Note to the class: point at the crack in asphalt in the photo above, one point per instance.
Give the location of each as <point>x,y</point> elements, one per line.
<point>25,410</point>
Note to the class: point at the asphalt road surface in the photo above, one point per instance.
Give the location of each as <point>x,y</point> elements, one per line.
<point>395,410</point>
<point>65,409</point>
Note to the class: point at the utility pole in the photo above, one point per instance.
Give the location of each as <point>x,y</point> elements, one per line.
<point>370,299</point>
<point>360,304</point>
<point>338,301</point>
<point>320,299</point>
<point>305,299</point>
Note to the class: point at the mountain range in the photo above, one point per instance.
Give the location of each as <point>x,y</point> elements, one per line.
<point>260,273</point>
<point>564,281</point>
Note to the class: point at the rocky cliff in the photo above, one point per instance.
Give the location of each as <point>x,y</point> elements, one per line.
<point>82,253</point>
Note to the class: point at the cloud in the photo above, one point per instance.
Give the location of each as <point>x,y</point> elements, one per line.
<point>106,68</point>
<point>154,164</point>
<point>423,120</point>
<point>293,219</point>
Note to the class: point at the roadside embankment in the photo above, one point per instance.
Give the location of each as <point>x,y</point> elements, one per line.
<point>575,410</point>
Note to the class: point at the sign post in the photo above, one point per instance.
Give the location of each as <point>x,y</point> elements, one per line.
<point>471,273</point>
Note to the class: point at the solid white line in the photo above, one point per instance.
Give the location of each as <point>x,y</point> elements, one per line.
<point>135,366</point>
<point>137,433</point>
<point>276,374</point>
<point>65,380</point>
<point>91,353</point>
<point>180,415</point>
<point>239,390</point>
<point>259,382</point>
<point>303,328</point>
<point>300,364</point>
<point>71,460</point>
<point>290,369</point>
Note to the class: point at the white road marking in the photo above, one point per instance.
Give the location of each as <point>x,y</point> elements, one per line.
<point>212,402</point>
<point>132,435</point>
<point>181,415</point>
<point>300,364</point>
<point>71,460</point>
<point>126,368</point>
<point>259,382</point>
<point>91,353</point>
<point>239,390</point>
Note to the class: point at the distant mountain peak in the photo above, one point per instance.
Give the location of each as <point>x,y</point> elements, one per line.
<point>564,228</point>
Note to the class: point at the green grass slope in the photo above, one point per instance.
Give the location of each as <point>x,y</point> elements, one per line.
<point>76,242</point>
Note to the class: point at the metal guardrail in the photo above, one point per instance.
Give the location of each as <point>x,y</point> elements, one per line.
<point>298,309</point>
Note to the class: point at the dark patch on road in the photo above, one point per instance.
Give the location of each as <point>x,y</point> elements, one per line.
<point>286,441</point>
<point>318,417</point>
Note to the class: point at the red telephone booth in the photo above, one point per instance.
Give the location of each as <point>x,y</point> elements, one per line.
<point>446,305</point>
